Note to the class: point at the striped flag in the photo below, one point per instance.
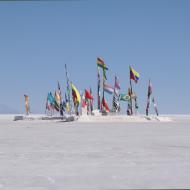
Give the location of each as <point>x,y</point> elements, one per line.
<point>101,63</point>
<point>108,88</point>
<point>134,75</point>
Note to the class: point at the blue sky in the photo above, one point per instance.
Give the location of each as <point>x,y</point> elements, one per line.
<point>38,38</point>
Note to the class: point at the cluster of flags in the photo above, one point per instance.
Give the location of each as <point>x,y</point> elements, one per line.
<point>55,102</point>
<point>117,96</point>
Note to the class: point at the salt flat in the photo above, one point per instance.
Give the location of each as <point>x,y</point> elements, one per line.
<point>40,155</point>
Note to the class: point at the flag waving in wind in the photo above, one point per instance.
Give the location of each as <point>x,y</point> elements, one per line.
<point>76,94</point>
<point>108,88</point>
<point>88,95</point>
<point>134,75</point>
<point>105,105</point>
<point>101,64</point>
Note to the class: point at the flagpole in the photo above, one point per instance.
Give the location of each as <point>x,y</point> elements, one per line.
<point>68,89</point>
<point>113,108</point>
<point>131,92</point>
<point>148,99</point>
<point>103,91</point>
<point>98,89</point>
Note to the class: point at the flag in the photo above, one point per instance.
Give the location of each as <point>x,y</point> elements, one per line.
<point>124,97</point>
<point>50,98</point>
<point>57,101</point>
<point>108,88</point>
<point>101,64</point>
<point>134,75</point>
<point>48,104</point>
<point>76,94</point>
<point>57,98</point>
<point>105,105</point>
<point>88,95</point>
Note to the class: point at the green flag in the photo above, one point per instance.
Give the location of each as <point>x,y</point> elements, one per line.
<point>124,97</point>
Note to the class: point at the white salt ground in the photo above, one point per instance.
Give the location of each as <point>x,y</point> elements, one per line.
<point>50,155</point>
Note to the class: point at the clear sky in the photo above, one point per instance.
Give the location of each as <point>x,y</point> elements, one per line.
<point>38,38</point>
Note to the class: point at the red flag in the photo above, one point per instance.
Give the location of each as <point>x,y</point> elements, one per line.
<point>88,95</point>
<point>104,103</point>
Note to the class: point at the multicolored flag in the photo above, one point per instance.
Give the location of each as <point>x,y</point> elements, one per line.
<point>124,97</point>
<point>57,101</point>
<point>76,94</point>
<point>101,64</point>
<point>134,75</point>
<point>108,88</point>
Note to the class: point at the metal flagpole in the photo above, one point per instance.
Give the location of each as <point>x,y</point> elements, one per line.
<point>131,91</point>
<point>98,89</point>
<point>68,89</point>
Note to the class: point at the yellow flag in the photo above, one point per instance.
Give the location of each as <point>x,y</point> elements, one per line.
<point>76,93</point>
